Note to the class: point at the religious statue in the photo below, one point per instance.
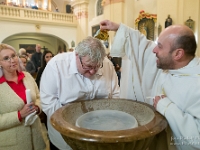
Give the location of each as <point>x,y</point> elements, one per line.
<point>159,29</point>
<point>190,23</point>
<point>99,8</point>
<point>72,43</point>
<point>168,21</point>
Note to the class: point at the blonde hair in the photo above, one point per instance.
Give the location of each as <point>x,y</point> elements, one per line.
<point>6,46</point>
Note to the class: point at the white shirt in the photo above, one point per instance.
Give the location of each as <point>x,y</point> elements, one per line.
<point>181,107</point>
<point>61,83</point>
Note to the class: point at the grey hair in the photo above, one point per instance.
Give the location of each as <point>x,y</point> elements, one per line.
<point>22,51</point>
<point>93,48</point>
<point>6,46</point>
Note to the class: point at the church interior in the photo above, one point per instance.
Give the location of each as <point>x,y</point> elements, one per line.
<point>61,24</point>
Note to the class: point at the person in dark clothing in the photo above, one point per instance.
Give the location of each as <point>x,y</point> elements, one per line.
<point>118,71</point>
<point>34,7</point>
<point>168,21</point>
<point>36,57</point>
<point>29,65</point>
<point>117,67</point>
<point>47,55</point>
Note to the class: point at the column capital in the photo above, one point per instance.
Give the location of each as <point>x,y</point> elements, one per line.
<point>108,2</point>
<point>80,8</point>
<point>79,2</point>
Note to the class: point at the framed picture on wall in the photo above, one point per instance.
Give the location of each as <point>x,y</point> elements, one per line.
<point>95,29</point>
<point>30,48</point>
<point>145,23</point>
<point>146,27</point>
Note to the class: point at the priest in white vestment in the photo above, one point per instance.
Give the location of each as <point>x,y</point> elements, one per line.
<point>165,75</point>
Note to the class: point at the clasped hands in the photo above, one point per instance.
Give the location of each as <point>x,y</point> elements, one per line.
<point>28,109</point>
<point>157,99</point>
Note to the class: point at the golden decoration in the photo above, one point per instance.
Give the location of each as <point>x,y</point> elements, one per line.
<point>103,2</point>
<point>37,26</point>
<point>143,15</point>
<point>102,35</point>
<point>145,23</point>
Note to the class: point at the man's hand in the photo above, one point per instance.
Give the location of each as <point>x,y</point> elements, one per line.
<point>157,99</point>
<point>108,25</point>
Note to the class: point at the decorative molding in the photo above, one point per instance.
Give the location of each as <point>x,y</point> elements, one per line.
<point>143,15</point>
<point>16,14</point>
<point>82,14</point>
<point>108,2</point>
<point>145,23</point>
<point>79,2</point>
<point>80,8</point>
<point>37,26</point>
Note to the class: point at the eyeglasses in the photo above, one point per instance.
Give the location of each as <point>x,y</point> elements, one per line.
<point>8,59</point>
<point>90,68</point>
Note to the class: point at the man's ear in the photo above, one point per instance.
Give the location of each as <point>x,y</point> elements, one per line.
<point>77,56</point>
<point>179,53</point>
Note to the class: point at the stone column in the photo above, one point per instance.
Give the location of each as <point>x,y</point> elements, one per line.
<point>49,5</point>
<point>24,3</point>
<point>80,9</point>
<point>113,10</point>
<point>36,2</point>
<point>42,4</point>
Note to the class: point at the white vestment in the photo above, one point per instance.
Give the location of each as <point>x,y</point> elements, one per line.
<point>143,80</point>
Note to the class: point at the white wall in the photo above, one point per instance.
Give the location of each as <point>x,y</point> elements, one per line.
<point>126,12</point>
<point>67,34</point>
<point>44,40</point>
<point>180,10</point>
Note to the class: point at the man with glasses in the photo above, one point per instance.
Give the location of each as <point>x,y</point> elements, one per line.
<point>83,74</point>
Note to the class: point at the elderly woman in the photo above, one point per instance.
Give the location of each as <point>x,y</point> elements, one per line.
<point>14,135</point>
<point>24,60</point>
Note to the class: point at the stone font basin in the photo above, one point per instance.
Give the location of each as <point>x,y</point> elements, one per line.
<point>106,120</point>
<point>149,121</point>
